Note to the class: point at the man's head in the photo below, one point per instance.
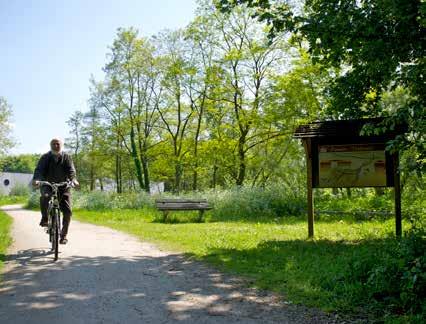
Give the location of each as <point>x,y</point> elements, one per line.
<point>56,146</point>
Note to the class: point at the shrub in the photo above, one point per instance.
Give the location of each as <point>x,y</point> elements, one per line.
<point>255,203</point>
<point>393,279</point>
<point>20,190</point>
<point>101,200</point>
<point>33,200</point>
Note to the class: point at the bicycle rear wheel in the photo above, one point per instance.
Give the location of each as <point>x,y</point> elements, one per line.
<point>55,233</point>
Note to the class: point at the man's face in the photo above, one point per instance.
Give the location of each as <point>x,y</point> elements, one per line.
<point>56,146</point>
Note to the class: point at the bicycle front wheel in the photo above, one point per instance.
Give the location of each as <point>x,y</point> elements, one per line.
<point>55,233</point>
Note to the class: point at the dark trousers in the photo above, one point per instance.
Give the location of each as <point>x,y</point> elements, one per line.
<point>64,205</point>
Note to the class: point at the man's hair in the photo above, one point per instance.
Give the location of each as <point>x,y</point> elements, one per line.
<point>56,139</point>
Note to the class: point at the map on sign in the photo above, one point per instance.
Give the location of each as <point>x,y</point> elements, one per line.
<point>351,166</point>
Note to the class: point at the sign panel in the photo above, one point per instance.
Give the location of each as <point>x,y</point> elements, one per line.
<point>355,165</point>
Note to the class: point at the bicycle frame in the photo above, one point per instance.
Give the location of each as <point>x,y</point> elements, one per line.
<point>54,214</point>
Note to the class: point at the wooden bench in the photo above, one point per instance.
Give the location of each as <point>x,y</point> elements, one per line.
<point>167,205</point>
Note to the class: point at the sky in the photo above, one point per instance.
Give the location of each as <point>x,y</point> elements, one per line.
<point>49,49</point>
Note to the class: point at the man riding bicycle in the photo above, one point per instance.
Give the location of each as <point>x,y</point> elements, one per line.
<point>56,166</point>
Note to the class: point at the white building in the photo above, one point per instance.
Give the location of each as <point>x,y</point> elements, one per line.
<point>8,180</point>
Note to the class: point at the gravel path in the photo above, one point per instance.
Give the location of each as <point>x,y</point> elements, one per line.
<point>104,276</point>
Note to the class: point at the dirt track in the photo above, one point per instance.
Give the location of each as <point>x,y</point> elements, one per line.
<point>104,276</point>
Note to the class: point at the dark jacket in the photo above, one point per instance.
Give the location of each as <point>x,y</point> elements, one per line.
<point>54,168</point>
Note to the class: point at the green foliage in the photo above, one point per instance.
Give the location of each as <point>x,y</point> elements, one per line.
<point>254,204</point>
<point>5,239</point>
<point>101,200</point>
<point>98,200</point>
<point>413,279</point>
<point>10,200</point>
<point>20,190</point>
<point>362,204</point>
<point>24,163</point>
<point>205,107</point>
<point>6,141</point>
<point>33,201</point>
<point>380,46</point>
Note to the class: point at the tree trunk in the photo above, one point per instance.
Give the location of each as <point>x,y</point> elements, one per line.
<point>118,174</point>
<point>214,178</point>
<point>195,178</point>
<point>196,140</point>
<point>178,177</point>
<point>146,173</point>
<point>92,179</point>
<point>136,159</point>
<point>242,162</point>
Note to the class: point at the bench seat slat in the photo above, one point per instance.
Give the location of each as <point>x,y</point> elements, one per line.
<point>183,207</point>
<point>157,201</point>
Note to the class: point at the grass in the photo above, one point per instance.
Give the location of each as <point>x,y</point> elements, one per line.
<point>5,239</point>
<point>330,272</point>
<point>10,200</point>
<point>5,224</point>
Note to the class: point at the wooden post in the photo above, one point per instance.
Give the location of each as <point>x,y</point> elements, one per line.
<point>308,150</point>
<point>397,194</point>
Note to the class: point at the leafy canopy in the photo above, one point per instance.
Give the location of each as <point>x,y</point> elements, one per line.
<point>380,45</point>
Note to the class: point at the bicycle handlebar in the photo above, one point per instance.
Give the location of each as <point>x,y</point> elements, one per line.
<point>57,184</point>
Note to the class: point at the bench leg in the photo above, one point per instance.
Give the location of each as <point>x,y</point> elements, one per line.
<point>165,213</point>
<point>200,215</point>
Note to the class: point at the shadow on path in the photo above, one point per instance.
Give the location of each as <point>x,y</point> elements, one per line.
<point>134,290</point>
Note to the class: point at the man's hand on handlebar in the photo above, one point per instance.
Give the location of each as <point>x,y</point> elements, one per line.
<point>75,184</point>
<point>36,184</point>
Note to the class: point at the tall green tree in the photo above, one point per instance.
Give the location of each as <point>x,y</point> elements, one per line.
<point>131,81</point>
<point>380,43</point>
<point>248,60</point>
<point>6,141</point>
<point>75,122</point>
<point>175,112</point>
<point>102,97</point>
<point>199,38</point>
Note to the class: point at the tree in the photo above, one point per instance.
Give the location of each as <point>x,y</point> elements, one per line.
<point>381,46</point>
<point>75,122</point>
<point>102,97</point>
<point>175,112</point>
<point>131,96</point>
<point>199,37</point>
<point>247,63</point>
<point>6,141</point>
<point>23,163</point>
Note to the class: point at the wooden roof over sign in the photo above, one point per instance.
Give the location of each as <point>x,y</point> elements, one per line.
<point>343,128</point>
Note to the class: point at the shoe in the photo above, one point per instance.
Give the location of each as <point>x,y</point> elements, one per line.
<point>43,223</point>
<point>63,240</point>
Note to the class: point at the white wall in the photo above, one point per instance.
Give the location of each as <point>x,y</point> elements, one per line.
<point>156,187</point>
<point>9,180</point>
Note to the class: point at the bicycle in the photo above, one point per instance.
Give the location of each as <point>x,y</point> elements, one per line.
<point>54,213</point>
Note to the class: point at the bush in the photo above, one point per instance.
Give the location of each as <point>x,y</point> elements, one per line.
<point>33,201</point>
<point>20,190</point>
<point>101,200</point>
<point>255,203</point>
<point>391,280</point>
